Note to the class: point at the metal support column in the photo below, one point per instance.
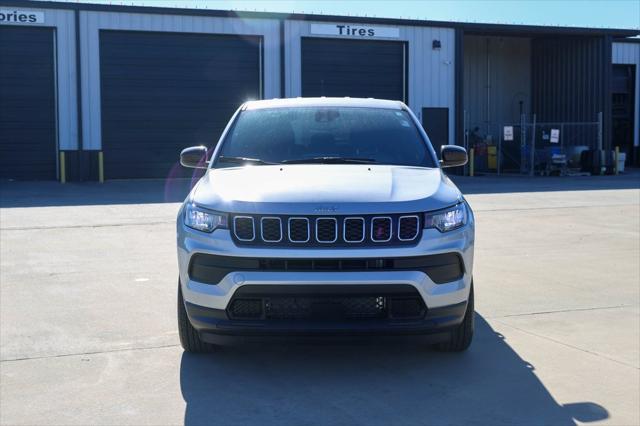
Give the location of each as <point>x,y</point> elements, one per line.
<point>533,146</point>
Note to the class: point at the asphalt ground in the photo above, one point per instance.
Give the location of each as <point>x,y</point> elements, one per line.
<point>88,331</point>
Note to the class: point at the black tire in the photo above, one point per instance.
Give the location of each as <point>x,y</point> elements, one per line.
<point>462,335</point>
<point>189,338</point>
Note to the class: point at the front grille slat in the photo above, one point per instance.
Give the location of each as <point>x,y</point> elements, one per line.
<point>326,231</point>
<point>299,229</point>
<point>271,228</point>
<point>244,228</point>
<point>408,227</point>
<point>354,229</point>
<point>381,229</point>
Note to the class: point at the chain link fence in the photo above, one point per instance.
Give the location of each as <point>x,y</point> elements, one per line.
<point>532,148</point>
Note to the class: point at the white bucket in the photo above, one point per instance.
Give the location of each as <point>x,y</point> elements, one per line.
<point>622,156</point>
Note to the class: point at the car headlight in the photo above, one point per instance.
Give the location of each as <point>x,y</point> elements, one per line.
<point>447,219</point>
<point>203,220</point>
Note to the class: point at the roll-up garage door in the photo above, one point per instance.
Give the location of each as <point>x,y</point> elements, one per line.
<point>356,68</point>
<point>162,92</point>
<point>27,104</point>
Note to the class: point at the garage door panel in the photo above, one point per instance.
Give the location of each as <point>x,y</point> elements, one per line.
<point>149,39</point>
<point>157,108</point>
<point>144,141</point>
<point>161,106</point>
<point>150,91</point>
<point>19,106</point>
<point>126,129</point>
<point>162,92</point>
<point>27,104</point>
<point>356,68</point>
<point>169,75</point>
<point>22,90</point>
<point>215,72</point>
<point>15,122</point>
<point>163,114</point>
<point>148,127</point>
<point>15,72</point>
<point>379,58</point>
<point>194,53</point>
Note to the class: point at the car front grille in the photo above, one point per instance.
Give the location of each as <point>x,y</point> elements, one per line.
<point>326,231</point>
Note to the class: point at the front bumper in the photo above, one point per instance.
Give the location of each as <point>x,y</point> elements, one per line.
<point>215,324</point>
<point>207,304</point>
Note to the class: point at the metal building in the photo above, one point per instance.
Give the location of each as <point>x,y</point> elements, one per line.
<point>625,92</point>
<point>116,91</point>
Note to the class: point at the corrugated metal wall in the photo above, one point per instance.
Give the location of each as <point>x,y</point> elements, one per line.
<point>508,62</point>
<point>629,53</point>
<point>568,78</point>
<point>64,24</point>
<point>431,80</point>
<point>92,22</point>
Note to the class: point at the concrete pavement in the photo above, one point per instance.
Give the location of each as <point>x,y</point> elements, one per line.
<point>88,332</point>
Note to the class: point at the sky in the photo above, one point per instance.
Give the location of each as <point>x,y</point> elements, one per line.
<point>576,13</point>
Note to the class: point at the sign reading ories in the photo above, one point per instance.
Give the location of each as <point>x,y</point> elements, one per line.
<point>355,31</point>
<point>21,16</point>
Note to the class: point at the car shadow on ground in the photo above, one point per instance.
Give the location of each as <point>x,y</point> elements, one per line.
<point>369,383</point>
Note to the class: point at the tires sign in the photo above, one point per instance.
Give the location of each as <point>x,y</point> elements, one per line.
<point>355,31</point>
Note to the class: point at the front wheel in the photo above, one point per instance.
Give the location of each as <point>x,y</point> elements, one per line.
<point>462,335</point>
<point>189,338</point>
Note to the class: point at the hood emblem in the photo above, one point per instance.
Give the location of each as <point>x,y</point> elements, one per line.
<point>325,209</point>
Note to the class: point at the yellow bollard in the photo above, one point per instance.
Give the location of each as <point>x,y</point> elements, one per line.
<point>615,160</point>
<point>100,167</point>
<point>471,165</point>
<point>63,168</point>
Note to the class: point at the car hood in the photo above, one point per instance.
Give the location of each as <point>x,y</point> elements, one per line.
<point>325,189</point>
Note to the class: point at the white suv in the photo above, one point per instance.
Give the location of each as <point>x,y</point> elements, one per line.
<point>325,216</point>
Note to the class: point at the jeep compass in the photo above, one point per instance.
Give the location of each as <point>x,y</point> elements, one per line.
<point>324,217</point>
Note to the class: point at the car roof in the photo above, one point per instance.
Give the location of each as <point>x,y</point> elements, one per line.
<point>320,102</point>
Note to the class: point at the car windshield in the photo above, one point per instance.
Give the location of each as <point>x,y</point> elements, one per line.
<point>334,135</point>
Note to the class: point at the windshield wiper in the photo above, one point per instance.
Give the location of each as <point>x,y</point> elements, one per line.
<point>239,160</point>
<point>330,160</point>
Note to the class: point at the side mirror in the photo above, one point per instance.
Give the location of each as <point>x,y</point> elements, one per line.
<point>452,156</point>
<point>194,157</point>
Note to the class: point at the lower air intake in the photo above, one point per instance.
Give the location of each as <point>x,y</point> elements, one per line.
<point>325,304</point>
<point>325,307</point>
<point>246,308</point>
